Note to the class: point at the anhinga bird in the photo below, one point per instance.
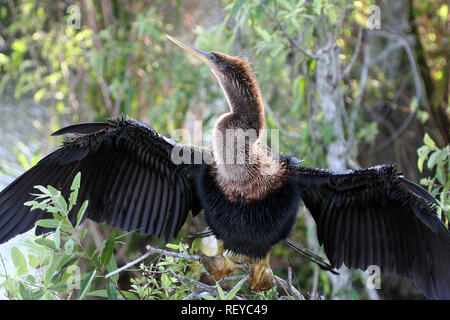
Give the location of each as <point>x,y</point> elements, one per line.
<point>364,217</point>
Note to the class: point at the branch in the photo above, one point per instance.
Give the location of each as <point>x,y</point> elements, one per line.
<point>150,251</point>
<point>359,97</point>
<point>201,289</point>
<point>417,83</point>
<point>92,24</point>
<point>119,98</point>
<point>277,122</point>
<point>283,29</point>
<point>348,68</point>
<point>409,53</point>
<point>288,287</point>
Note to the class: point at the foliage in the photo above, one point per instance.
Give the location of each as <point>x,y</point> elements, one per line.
<point>158,282</point>
<point>119,61</point>
<point>51,270</point>
<point>437,160</point>
<point>434,39</point>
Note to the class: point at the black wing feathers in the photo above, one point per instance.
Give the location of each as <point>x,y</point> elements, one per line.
<point>375,216</point>
<point>127,176</point>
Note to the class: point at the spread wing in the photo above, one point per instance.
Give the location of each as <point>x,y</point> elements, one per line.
<point>127,176</point>
<point>377,217</point>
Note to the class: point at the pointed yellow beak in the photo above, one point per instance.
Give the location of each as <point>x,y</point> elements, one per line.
<point>202,55</point>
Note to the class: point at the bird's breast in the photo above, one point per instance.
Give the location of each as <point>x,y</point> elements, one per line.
<point>246,224</point>
<point>249,182</point>
<point>245,169</point>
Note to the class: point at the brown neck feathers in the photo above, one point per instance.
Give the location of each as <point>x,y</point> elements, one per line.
<point>245,167</point>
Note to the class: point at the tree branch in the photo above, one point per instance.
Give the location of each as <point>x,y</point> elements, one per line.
<point>119,98</point>
<point>417,83</point>
<point>201,289</point>
<point>283,29</point>
<point>348,68</point>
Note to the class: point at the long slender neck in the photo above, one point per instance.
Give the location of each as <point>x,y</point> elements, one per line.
<point>248,107</point>
<point>240,155</point>
<point>245,100</point>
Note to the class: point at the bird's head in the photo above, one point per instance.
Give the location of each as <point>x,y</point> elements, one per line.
<point>222,65</point>
<point>236,79</point>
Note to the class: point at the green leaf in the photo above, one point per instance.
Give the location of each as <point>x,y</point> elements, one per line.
<point>317,7</point>
<point>51,270</point>
<point>98,293</point>
<point>37,294</point>
<point>53,191</point>
<point>286,4</point>
<point>30,279</point>
<point>31,203</point>
<point>112,266</point>
<point>173,246</point>
<point>165,281</point>
<point>59,286</point>
<point>433,160</point>
<point>4,59</point>
<point>440,174</point>
<point>33,261</point>
<point>68,246</point>
<point>85,284</point>
<point>39,94</point>
<point>44,190</point>
<point>104,294</point>
<point>61,202</point>
<point>46,242</point>
<point>130,295</point>
<point>220,292</point>
<point>66,261</point>
<point>233,292</point>
<point>81,212</point>
<point>74,188</point>
<point>20,263</point>
<point>76,182</point>
<point>195,246</point>
<point>19,45</point>
<point>237,5</point>
<point>68,280</point>
<point>9,286</point>
<point>422,156</point>
<point>48,223</point>
<point>83,234</point>
<point>263,33</point>
<point>25,292</point>
<point>428,141</point>
<point>108,249</point>
<point>111,291</point>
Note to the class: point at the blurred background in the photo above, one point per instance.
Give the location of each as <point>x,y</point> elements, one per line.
<point>348,83</point>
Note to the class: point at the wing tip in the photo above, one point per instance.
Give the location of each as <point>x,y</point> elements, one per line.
<point>418,190</point>
<point>82,128</point>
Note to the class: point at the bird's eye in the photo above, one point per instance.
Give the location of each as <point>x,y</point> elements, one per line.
<point>212,58</point>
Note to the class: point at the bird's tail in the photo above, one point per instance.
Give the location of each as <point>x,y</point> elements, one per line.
<point>310,255</point>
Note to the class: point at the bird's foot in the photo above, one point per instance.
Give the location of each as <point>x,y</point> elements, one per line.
<point>261,277</point>
<point>218,266</point>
